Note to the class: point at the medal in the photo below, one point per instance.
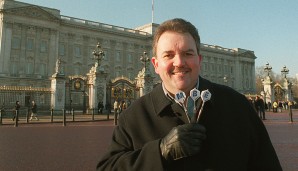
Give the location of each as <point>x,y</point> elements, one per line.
<point>206,96</point>
<point>194,95</point>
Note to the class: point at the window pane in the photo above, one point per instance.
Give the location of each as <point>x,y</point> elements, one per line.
<point>61,49</point>
<point>77,51</point>
<point>30,44</point>
<point>16,43</point>
<point>29,69</point>
<point>129,58</point>
<point>43,46</point>
<point>118,56</point>
<point>43,69</point>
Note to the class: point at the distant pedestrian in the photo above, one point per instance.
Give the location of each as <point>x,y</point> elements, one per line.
<point>16,110</point>
<point>269,106</point>
<point>275,105</point>
<point>116,110</point>
<point>3,109</point>
<point>260,105</point>
<point>124,105</point>
<point>280,106</point>
<point>100,107</point>
<point>33,111</point>
<point>108,107</point>
<point>290,104</point>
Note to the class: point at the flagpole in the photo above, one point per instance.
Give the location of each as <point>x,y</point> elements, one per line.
<point>152,19</point>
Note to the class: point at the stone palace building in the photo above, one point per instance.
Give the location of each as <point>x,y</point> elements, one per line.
<point>39,47</point>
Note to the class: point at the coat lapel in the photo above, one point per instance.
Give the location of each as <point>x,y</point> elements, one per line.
<point>164,106</point>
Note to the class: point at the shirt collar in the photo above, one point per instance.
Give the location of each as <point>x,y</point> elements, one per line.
<point>168,95</point>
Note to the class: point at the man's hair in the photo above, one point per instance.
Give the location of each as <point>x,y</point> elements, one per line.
<point>176,25</point>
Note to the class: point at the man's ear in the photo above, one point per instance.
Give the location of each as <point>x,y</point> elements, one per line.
<point>154,62</point>
<point>200,58</point>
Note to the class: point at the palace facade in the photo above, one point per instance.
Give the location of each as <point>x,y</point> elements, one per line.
<point>33,38</point>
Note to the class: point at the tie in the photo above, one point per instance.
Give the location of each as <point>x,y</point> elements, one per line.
<point>190,107</point>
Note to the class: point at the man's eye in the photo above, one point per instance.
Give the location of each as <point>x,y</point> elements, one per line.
<point>168,56</point>
<point>189,54</point>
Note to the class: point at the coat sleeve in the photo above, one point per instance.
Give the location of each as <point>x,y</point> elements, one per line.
<point>263,155</point>
<point>122,155</point>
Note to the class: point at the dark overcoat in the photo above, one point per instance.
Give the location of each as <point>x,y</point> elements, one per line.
<point>237,139</point>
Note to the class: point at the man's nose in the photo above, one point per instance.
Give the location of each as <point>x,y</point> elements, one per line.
<point>179,60</point>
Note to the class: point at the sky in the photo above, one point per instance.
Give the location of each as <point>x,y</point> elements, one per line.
<point>267,27</point>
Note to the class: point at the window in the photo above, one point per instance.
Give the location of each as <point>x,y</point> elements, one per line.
<point>43,46</point>
<point>14,69</point>
<point>29,69</point>
<point>77,51</point>
<point>118,56</point>
<point>130,75</point>
<point>16,43</point>
<point>117,73</point>
<point>43,70</point>
<point>129,58</point>
<point>76,71</point>
<point>29,45</point>
<point>61,49</point>
<point>106,55</point>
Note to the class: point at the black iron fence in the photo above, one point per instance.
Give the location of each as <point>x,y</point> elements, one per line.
<point>23,116</point>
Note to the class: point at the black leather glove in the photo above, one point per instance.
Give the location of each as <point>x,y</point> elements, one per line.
<point>183,141</point>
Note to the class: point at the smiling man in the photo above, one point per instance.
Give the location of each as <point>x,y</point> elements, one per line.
<point>163,131</point>
<point>177,61</point>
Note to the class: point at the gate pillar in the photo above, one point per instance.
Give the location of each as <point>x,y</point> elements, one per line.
<point>97,86</point>
<point>58,88</point>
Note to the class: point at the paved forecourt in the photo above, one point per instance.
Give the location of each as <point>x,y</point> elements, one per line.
<point>42,145</point>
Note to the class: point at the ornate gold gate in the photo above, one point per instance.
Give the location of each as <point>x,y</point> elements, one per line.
<point>122,89</point>
<point>76,93</point>
<point>279,93</point>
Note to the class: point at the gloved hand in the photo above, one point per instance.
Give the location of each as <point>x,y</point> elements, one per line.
<point>183,141</point>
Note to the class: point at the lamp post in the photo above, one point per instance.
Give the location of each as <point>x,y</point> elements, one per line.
<point>98,54</point>
<point>144,58</point>
<point>284,71</point>
<point>267,68</point>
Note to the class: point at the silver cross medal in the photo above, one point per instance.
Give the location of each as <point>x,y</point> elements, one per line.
<point>192,105</point>
<point>206,96</point>
<point>180,97</point>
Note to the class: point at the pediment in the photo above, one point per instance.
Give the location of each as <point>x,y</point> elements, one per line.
<point>32,11</point>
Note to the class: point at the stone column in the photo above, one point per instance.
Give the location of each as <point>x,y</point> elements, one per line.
<point>145,78</point>
<point>286,84</point>
<point>287,87</point>
<point>58,88</point>
<point>267,83</point>
<point>58,91</point>
<point>268,91</point>
<point>144,82</point>
<point>5,45</point>
<point>97,86</point>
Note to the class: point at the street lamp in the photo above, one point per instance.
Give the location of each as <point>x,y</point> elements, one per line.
<point>98,54</point>
<point>144,58</point>
<point>267,68</point>
<point>284,71</point>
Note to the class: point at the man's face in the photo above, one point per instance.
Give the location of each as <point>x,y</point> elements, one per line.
<point>177,61</point>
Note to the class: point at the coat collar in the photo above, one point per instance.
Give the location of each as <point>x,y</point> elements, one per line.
<point>160,101</point>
